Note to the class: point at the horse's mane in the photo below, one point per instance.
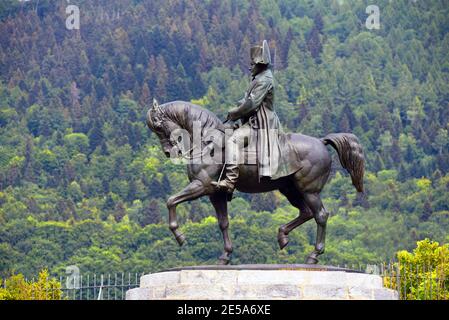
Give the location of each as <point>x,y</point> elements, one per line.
<point>185,113</point>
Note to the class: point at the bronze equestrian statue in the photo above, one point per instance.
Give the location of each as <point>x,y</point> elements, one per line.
<point>297,165</point>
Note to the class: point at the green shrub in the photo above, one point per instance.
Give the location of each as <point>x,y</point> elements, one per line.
<point>18,288</point>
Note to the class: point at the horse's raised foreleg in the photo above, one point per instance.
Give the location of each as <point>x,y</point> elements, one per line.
<point>193,191</point>
<point>305,214</point>
<point>220,203</point>
<point>320,213</point>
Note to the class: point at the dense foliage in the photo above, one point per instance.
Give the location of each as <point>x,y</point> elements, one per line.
<point>422,274</point>
<point>17,287</point>
<point>83,181</point>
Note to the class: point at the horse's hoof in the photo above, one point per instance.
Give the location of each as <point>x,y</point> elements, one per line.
<point>311,260</point>
<point>181,239</point>
<point>283,241</point>
<point>223,262</point>
<point>224,259</point>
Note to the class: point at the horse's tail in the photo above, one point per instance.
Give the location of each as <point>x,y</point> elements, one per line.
<point>351,156</point>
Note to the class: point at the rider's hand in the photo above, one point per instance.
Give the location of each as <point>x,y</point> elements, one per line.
<point>231,112</point>
<point>230,122</point>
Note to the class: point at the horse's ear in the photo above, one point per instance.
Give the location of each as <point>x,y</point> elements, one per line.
<point>156,107</point>
<point>155,103</point>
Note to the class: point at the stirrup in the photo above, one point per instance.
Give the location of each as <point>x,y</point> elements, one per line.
<point>223,187</point>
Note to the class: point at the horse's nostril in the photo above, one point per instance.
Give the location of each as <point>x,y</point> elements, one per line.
<point>167,154</point>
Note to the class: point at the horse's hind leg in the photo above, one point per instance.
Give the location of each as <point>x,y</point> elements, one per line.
<point>220,203</point>
<point>193,191</point>
<point>305,214</point>
<point>320,213</point>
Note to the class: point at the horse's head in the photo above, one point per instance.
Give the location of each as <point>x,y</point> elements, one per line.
<point>162,126</point>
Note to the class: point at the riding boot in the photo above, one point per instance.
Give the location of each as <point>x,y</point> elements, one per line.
<point>228,183</point>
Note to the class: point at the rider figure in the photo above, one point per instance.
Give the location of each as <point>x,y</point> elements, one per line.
<point>256,112</point>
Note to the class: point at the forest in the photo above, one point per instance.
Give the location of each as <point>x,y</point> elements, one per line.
<point>84,182</point>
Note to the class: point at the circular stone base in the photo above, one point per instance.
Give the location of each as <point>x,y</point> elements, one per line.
<point>259,282</point>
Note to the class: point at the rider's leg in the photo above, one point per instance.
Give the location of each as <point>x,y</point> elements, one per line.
<point>234,146</point>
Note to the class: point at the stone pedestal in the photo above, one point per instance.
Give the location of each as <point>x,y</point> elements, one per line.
<point>261,282</point>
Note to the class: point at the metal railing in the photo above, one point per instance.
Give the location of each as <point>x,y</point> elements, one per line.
<point>417,281</point>
<point>111,286</point>
<point>101,287</point>
<point>413,282</point>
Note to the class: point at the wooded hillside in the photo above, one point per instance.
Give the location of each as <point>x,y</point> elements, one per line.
<point>83,181</point>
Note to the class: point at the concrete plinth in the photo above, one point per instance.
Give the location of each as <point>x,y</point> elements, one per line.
<point>260,282</point>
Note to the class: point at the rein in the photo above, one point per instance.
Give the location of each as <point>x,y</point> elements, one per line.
<point>189,153</point>
<point>188,156</point>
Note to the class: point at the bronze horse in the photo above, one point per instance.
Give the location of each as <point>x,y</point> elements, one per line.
<point>302,188</point>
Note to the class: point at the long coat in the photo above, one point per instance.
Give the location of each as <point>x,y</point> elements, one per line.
<point>257,110</point>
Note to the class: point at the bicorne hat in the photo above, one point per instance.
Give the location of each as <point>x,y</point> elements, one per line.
<point>261,54</point>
